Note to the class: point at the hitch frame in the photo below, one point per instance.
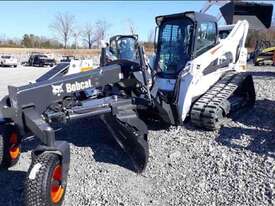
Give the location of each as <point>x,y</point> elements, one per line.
<point>27,107</point>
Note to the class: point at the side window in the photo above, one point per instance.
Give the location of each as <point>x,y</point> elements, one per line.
<point>113,48</point>
<point>206,36</point>
<point>223,34</point>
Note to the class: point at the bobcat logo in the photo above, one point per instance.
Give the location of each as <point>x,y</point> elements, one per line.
<point>57,89</point>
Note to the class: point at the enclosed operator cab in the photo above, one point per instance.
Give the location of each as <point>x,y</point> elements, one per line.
<point>125,51</point>
<point>124,47</point>
<point>181,38</point>
<point>120,48</point>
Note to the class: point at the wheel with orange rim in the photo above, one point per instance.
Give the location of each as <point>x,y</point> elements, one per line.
<point>14,149</point>
<point>57,191</point>
<point>10,145</point>
<point>44,184</point>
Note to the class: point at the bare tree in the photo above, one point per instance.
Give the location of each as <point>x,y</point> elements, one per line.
<point>63,26</point>
<point>131,26</point>
<point>100,32</point>
<point>76,35</point>
<point>88,35</point>
<point>151,36</point>
<point>273,21</point>
<point>3,38</point>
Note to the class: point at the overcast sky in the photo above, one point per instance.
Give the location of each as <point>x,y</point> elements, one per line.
<point>18,18</point>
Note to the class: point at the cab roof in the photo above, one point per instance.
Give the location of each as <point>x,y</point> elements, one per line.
<point>194,16</point>
<point>117,37</point>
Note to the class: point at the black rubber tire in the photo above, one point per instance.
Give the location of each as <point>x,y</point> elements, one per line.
<point>37,190</point>
<point>6,160</point>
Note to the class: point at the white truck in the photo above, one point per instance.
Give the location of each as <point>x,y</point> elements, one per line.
<point>8,60</point>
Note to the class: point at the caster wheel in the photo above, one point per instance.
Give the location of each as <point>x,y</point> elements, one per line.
<point>43,185</point>
<point>10,146</point>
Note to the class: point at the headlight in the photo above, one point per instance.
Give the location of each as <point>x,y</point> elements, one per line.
<point>186,70</point>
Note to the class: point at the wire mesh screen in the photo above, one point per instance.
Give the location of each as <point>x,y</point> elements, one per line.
<point>174,44</point>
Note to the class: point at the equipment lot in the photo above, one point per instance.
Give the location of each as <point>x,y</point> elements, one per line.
<point>18,76</point>
<point>187,166</point>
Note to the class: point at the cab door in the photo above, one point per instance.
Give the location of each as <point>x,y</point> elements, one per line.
<point>194,83</point>
<point>206,39</point>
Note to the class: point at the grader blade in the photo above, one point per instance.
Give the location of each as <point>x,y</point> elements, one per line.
<point>131,134</point>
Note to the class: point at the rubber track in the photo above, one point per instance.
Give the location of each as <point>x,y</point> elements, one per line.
<point>205,111</point>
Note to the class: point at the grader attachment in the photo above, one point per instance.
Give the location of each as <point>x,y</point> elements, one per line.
<point>24,107</point>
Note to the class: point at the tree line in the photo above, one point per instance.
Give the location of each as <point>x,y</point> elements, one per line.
<point>69,35</point>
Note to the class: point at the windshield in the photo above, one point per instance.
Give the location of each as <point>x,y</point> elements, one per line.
<point>127,49</point>
<point>43,57</point>
<point>174,45</point>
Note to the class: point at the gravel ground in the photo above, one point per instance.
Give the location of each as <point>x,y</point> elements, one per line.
<point>187,166</point>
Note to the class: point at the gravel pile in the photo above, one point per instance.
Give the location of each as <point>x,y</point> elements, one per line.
<point>187,166</point>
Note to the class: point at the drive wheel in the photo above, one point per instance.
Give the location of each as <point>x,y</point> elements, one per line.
<point>43,185</point>
<point>219,120</point>
<point>10,146</point>
<point>216,120</point>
